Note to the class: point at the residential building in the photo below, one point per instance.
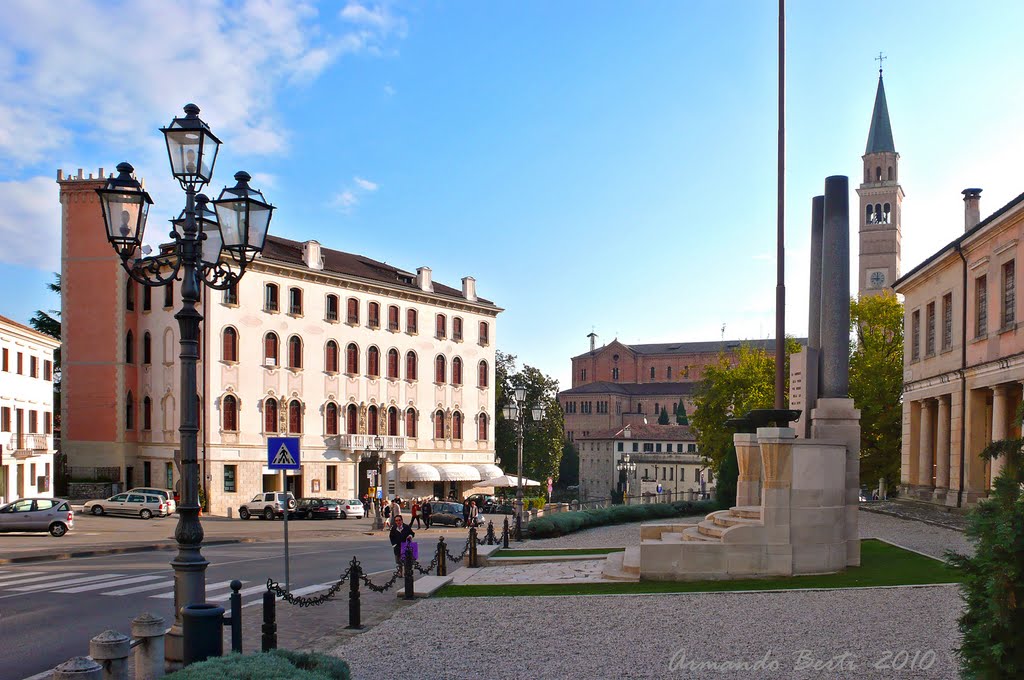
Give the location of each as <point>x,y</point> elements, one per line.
<point>327,346</point>
<point>26,412</point>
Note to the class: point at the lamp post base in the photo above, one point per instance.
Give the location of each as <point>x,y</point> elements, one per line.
<point>189,588</point>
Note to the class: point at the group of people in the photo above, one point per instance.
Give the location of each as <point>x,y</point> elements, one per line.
<point>420,510</point>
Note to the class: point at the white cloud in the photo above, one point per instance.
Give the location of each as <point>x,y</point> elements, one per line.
<point>30,223</point>
<point>389,90</point>
<point>345,199</point>
<point>365,184</point>
<point>349,196</point>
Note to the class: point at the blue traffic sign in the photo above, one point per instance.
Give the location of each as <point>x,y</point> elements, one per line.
<point>283,453</point>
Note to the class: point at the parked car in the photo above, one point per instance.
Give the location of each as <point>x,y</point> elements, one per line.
<point>166,494</point>
<point>450,514</point>
<point>268,505</point>
<point>485,502</point>
<point>352,508</point>
<point>318,508</point>
<point>38,514</point>
<point>143,505</point>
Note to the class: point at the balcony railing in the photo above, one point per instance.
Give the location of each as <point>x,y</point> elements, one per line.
<point>358,442</point>
<point>29,443</point>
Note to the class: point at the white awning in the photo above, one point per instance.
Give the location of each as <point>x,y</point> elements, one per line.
<point>417,472</point>
<point>489,471</point>
<point>455,472</point>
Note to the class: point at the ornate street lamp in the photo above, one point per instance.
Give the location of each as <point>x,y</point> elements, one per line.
<point>515,412</point>
<point>375,455</point>
<point>237,226</point>
<point>628,467</point>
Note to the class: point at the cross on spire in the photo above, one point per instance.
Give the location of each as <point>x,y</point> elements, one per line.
<point>880,58</point>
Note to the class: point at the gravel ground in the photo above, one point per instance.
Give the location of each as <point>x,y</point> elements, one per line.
<point>852,633</point>
<point>926,512</point>
<point>925,538</point>
<point>614,536</point>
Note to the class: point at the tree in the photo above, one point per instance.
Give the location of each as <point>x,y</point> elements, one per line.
<point>735,384</point>
<point>681,418</point>
<point>48,323</point>
<point>569,466</point>
<point>663,417</point>
<point>876,384</point>
<point>542,442</point>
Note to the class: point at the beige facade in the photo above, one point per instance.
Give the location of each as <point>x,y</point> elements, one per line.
<point>963,357</point>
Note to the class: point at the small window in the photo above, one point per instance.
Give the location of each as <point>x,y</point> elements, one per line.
<point>411,318</point>
<point>331,357</point>
<point>129,412</point>
<point>410,422</point>
<point>147,349</point>
<point>295,417</point>
<point>270,349</point>
<point>230,474</point>
<point>457,329</point>
<point>457,371</point>
<point>332,308</point>
<point>129,350</point>
<point>33,366</point>
<point>270,300</point>
<point>652,372</point>
<point>981,306</point>
<point>147,298</point>
<point>393,363</point>
<point>48,421</point>
<point>231,295</point>
<point>410,366</point>
<point>482,428</point>
<point>485,333</point>
<point>230,345</point>
<point>294,352</point>
<point>373,315</point>
<point>295,301</point>
<point>373,362</point>
<point>332,477</point>
<point>230,409</point>
<point>439,424</point>
<point>1009,292</point>
<point>915,335</point>
<point>393,315</point>
<point>441,327</point>
<point>440,369</point>
<point>331,420</point>
<point>482,374</point>
<point>457,426</point>
<point>169,295</point>
<point>129,295</point>
<point>353,311</point>
<point>352,359</point>
<point>929,336</point>
<point>947,321</point>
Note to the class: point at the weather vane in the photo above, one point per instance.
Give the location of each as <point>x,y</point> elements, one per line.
<point>880,58</point>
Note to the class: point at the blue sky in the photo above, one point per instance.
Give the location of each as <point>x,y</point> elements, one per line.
<point>593,164</point>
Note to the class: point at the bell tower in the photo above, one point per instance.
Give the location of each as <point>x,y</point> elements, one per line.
<point>881,201</point>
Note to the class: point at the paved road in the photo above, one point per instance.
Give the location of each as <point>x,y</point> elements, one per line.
<point>49,610</point>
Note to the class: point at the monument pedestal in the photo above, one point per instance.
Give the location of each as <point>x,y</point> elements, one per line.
<point>837,419</point>
<point>748,458</point>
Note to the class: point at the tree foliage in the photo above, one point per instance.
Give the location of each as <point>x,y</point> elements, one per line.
<point>663,416</point>
<point>542,442</point>
<point>48,323</point>
<point>876,384</point>
<point>681,418</point>
<point>569,466</point>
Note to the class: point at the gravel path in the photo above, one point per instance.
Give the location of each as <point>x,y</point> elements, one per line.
<point>613,536</point>
<point>926,538</point>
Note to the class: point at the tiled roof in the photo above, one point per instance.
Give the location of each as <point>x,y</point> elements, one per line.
<point>704,347</point>
<point>675,433</point>
<point>279,249</point>
<point>634,389</point>
<point>27,329</point>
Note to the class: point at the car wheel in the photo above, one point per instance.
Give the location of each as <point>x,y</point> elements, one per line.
<point>268,513</point>
<point>243,513</point>
<point>57,529</point>
<point>344,515</point>
<point>97,510</point>
<point>459,523</point>
<point>146,513</point>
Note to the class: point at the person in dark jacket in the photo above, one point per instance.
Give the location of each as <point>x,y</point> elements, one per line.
<point>426,509</point>
<point>465,512</point>
<point>400,533</point>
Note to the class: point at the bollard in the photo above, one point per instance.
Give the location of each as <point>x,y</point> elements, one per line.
<point>110,649</point>
<point>202,632</point>
<point>472,547</point>
<point>149,630</point>
<point>490,532</point>
<point>442,564</point>
<point>78,668</point>
<point>407,567</point>
<point>504,535</point>
<point>269,622</point>
<point>355,571</point>
<point>234,619</point>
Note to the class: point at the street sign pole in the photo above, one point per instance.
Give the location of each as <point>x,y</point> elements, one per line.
<point>287,574</point>
<point>283,454</point>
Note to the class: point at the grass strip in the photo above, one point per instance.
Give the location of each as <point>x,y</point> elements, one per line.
<point>553,553</point>
<point>882,564</point>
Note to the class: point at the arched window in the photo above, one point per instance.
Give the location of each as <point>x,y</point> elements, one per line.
<point>457,328</point>
<point>485,333</point>
<point>410,322</point>
<point>439,369</point>
<point>878,174</point>
<point>294,352</point>
<point>393,363</point>
<point>410,366</point>
<point>869,213</point>
<point>295,301</point>
<point>147,414</point>
<point>352,358</point>
<point>482,377</point>
<point>270,418</point>
<point>331,356</point>
<point>147,348</point>
<point>332,308</point>
<point>353,311</point>
<point>410,422</point>
<point>371,420</point>
<point>129,348</point>
<point>331,419</point>
<point>229,345</point>
<point>129,412</point>
<point>270,349</point>
<point>393,421</point>
<point>457,371</point>
<point>878,213</point>
<point>294,417</point>
<point>481,432</point>
<point>885,213</point>
<point>129,295</point>
<point>441,327</point>
<point>439,424</point>
<point>457,426</point>
<point>270,297</point>
<point>229,407</point>
<point>890,172</point>
<point>393,318</point>
<point>373,362</point>
<point>351,419</point>
<point>373,315</point>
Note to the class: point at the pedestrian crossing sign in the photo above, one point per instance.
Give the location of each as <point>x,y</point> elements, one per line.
<point>283,453</point>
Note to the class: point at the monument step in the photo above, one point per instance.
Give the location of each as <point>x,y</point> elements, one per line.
<point>725,518</point>
<point>710,529</point>
<point>613,569</point>
<point>746,511</point>
<point>672,537</point>
<point>631,561</point>
<point>693,534</point>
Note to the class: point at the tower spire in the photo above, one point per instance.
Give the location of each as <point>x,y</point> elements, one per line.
<point>880,133</point>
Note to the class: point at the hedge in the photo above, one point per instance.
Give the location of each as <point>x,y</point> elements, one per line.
<point>561,523</point>
<point>278,664</point>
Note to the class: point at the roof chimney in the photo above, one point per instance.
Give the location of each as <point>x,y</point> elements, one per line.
<point>972,208</point>
<point>311,255</point>
<point>423,279</point>
<point>593,340</point>
<point>469,288</point>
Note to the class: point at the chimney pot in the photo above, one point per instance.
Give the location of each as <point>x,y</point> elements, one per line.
<point>469,288</point>
<point>972,208</point>
<point>311,255</point>
<point>423,279</point>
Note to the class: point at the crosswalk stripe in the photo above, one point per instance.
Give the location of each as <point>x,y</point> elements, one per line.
<point>243,592</point>
<point>141,589</point>
<point>209,587</point>
<point>74,581</point>
<point>108,584</point>
<point>17,574</point>
<point>48,577</point>
<point>311,589</point>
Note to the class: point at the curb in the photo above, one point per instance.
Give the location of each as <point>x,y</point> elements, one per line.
<point>115,551</point>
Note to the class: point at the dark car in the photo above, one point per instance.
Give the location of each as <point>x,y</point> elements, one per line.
<point>485,502</point>
<point>450,514</point>
<point>319,508</point>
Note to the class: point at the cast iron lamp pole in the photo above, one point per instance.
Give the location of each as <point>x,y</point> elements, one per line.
<point>516,412</point>
<point>629,467</point>
<point>208,247</point>
<point>375,453</point>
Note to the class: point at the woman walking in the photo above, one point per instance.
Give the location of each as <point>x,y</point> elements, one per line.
<point>400,533</point>
<point>415,518</point>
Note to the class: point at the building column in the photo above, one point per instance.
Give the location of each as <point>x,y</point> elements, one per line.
<point>1000,424</point>
<point>942,448</point>
<point>927,447</point>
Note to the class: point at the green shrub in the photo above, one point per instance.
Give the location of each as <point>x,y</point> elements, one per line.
<point>562,523</point>
<point>279,664</point>
<point>728,477</point>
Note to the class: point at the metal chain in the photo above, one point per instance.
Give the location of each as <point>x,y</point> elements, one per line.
<point>459,558</point>
<point>303,601</point>
<point>429,568</point>
<point>380,589</point>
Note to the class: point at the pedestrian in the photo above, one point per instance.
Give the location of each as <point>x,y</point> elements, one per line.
<point>387,515</point>
<point>415,510</point>
<point>400,533</point>
<point>427,509</point>
<point>474,514</point>
<point>396,507</point>
<point>465,512</point>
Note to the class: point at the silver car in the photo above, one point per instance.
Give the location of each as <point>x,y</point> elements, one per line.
<point>142,505</point>
<point>166,494</point>
<point>38,514</point>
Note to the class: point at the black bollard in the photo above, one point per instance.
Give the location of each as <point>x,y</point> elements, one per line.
<point>472,547</point>
<point>442,565</point>
<point>407,561</point>
<point>235,618</point>
<point>355,571</point>
<point>269,622</point>
<point>490,532</point>
<point>504,535</point>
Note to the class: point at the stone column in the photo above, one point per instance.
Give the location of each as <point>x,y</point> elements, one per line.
<point>748,456</point>
<point>835,290</point>
<point>776,447</point>
<point>1000,424</point>
<point>927,445</point>
<point>942,450</point>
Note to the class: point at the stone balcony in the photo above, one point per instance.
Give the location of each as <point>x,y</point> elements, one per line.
<point>359,442</point>
<point>27,445</point>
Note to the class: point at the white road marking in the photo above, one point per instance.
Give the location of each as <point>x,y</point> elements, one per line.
<point>243,592</point>
<point>17,574</point>
<point>74,581</point>
<point>209,587</point>
<point>107,584</point>
<point>142,589</point>
<point>48,577</point>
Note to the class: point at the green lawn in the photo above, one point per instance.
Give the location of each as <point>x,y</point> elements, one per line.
<point>882,564</point>
<point>549,553</point>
